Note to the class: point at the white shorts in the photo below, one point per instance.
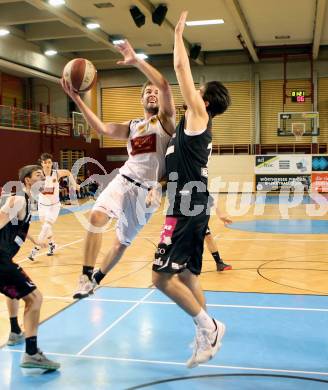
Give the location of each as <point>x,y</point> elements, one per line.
<point>125,202</point>
<point>49,213</point>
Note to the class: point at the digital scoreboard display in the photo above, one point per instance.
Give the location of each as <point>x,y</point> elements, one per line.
<point>298,96</point>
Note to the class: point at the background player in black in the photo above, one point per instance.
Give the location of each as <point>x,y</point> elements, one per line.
<point>210,242</point>
<point>14,283</point>
<point>182,239</point>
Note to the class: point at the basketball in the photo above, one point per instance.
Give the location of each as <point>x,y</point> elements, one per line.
<point>81,74</point>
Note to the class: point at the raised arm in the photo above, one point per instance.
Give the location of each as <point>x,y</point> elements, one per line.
<point>198,116</point>
<point>114,130</point>
<point>165,98</point>
<point>72,182</point>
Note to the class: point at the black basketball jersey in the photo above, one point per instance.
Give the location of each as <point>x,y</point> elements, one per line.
<point>188,156</point>
<point>14,234</point>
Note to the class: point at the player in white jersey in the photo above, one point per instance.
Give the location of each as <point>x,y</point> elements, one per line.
<point>48,201</point>
<point>126,196</point>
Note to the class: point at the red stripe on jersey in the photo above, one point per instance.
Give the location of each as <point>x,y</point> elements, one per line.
<point>144,144</point>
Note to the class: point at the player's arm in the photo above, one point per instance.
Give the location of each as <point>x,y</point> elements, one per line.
<point>66,173</point>
<point>198,116</point>
<point>11,209</point>
<point>114,130</point>
<point>165,98</point>
<point>222,216</point>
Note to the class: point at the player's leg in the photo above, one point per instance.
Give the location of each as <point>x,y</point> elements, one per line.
<point>92,244</point>
<point>47,216</point>
<point>181,248</point>
<point>33,357</point>
<point>106,207</point>
<point>192,282</point>
<point>110,260</point>
<point>209,332</point>
<point>15,284</point>
<point>51,218</point>
<point>131,218</point>
<point>16,336</point>
<point>208,340</point>
<point>177,291</point>
<point>213,248</point>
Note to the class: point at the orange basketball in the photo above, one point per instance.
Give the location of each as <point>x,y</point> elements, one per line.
<point>81,74</point>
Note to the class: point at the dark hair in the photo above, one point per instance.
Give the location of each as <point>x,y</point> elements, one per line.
<point>217,95</point>
<point>27,171</point>
<point>45,156</point>
<point>145,86</point>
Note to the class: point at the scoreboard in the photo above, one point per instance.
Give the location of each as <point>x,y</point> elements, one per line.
<point>298,96</point>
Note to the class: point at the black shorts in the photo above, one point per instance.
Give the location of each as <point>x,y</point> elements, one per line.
<point>14,282</point>
<point>181,244</point>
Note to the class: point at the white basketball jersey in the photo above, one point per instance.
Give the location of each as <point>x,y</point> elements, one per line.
<point>50,194</point>
<point>147,144</point>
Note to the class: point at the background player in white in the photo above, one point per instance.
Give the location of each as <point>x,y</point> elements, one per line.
<point>48,201</point>
<point>147,140</point>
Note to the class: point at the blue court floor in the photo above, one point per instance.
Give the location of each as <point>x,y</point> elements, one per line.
<point>127,338</point>
<point>283,226</point>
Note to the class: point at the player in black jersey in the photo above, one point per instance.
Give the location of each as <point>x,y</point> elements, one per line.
<point>182,240</point>
<point>15,220</point>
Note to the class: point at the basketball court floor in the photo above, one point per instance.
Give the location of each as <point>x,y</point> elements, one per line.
<point>130,336</point>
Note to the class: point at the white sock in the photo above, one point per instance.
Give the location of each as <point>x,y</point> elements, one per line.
<point>203,320</point>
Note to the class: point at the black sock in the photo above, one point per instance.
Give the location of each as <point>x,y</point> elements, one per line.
<point>87,270</point>
<point>216,257</point>
<point>31,345</point>
<point>14,327</point>
<point>99,276</point>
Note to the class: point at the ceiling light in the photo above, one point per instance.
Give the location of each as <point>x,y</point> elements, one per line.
<point>56,3</point>
<point>3,32</point>
<point>155,44</point>
<point>92,25</point>
<point>50,52</point>
<point>282,36</point>
<point>204,22</point>
<point>104,5</point>
<point>118,41</point>
<point>142,56</point>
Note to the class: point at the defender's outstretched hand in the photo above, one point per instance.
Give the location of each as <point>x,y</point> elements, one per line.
<point>127,51</point>
<point>179,28</point>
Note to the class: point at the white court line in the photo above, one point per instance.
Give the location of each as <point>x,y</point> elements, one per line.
<point>172,303</point>
<point>115,322</point>
<point>95,357</point>
<point>58,247</point>
<point>43,253</point>
<point>218,237</point>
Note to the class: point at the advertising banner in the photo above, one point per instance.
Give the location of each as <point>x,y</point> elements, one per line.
<point>275,182</point>
<point>319,163</point>
<point>320,182</point>
<point>281,164</point>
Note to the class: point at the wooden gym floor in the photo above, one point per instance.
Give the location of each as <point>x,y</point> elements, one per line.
<point>282,263</point>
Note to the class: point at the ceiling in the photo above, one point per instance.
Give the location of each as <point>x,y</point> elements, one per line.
<point>258,23</point>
